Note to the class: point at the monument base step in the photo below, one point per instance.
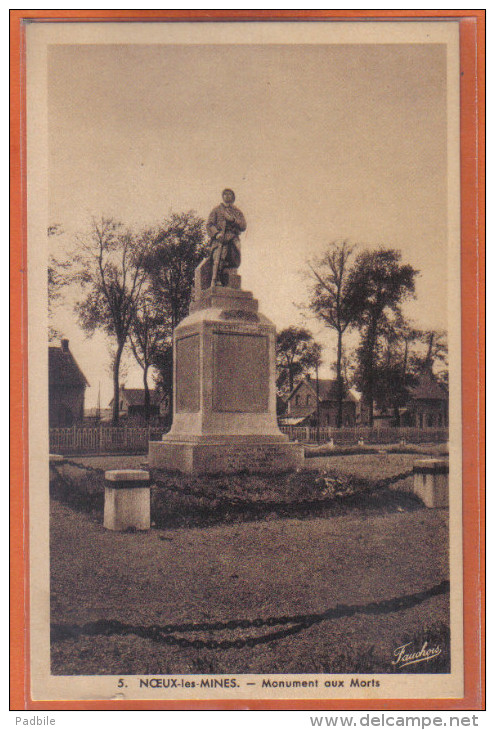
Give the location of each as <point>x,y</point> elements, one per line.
<point>261,456</point>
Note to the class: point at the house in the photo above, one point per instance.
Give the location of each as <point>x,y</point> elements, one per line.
<point>383,414</point>
<point>131,403</point>
<point>427,405</point>
<point>66,387</point>
<point>302,407</point>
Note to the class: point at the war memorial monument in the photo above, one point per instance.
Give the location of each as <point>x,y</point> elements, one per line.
<point>224,402</point>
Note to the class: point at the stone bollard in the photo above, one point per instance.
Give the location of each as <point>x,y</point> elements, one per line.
<point>431,482</point>
<point>127,500</point>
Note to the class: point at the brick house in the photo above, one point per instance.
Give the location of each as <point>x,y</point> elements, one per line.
<point>66,387</point>
<point>302,404</point>
<point>427,405</point>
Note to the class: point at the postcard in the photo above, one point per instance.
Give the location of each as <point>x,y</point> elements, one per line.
<point>250,362</point>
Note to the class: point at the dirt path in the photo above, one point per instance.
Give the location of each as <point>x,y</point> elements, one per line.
<point>244,571</point>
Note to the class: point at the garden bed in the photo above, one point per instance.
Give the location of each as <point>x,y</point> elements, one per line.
<point>334,487</point>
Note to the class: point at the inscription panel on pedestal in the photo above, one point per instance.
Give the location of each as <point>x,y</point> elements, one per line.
<point>187,374</point>
<point>255,458</point>
<point>240,373</point>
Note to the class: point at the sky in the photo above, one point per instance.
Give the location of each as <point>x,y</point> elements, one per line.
<point>320,143</point>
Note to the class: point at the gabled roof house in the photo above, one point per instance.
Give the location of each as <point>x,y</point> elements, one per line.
<point>302,404</point>
<point>427,405</point>
<point>66,386</point>
<point>131,402</point>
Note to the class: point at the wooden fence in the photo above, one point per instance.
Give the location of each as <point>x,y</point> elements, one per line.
<point>102,439</point>
<point>369,435</point>
<point>134,439</point>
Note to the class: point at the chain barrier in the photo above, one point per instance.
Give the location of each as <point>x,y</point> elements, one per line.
<point>233,500</point>
<point>383,483</point>
<point>300,622</point>
<point>83,467</point>
<point>337,491</point>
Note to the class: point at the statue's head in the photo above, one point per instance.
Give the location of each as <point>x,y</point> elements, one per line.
<point>228,196</point>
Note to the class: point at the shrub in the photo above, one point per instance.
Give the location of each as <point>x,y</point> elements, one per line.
<point>179,500</point>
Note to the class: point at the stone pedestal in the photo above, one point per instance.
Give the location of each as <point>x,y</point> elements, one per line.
<point>431,482</point>
<point>225,416</point>
<point>127,500</point>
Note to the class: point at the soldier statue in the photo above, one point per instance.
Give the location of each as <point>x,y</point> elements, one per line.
<point>224,225</point>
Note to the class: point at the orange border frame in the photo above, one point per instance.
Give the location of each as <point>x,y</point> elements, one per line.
<point>472,87</point>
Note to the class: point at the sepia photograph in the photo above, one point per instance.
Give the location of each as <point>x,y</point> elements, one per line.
<point>244,335</point>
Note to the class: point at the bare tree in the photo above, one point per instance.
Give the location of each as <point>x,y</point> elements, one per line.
<point>149,336</point>
<point>57,280</point>
<point>436,348</point>
<point>109,269</point>
<point>331,302</point>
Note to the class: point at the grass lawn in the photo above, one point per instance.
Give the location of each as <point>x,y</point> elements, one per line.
<point>269,566</point>
<point>392,455</point>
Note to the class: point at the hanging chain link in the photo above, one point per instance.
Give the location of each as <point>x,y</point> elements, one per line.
<point>190,491</point>
<point>300,622</point>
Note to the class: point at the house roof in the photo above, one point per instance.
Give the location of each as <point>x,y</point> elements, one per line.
<point>63,368</point>
<point>135,396</point>
<point>427,387</point>
<point>327,389</point>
